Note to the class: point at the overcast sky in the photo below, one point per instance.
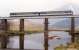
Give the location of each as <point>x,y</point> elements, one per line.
<point>7,6</point>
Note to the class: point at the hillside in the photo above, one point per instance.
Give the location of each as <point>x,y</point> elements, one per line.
<point>28,26</point>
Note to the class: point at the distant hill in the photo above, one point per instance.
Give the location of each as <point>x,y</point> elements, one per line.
<point>28,26</point>
<point>65,24</point>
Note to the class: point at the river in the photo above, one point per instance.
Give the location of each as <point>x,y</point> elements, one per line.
<point>36,41</point>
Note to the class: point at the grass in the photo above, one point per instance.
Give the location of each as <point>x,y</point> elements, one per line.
<point>27,32</point>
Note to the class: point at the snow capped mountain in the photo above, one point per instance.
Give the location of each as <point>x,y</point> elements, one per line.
<point>65,24</point>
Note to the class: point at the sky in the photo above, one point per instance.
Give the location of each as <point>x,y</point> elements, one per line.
<point>7,6</point>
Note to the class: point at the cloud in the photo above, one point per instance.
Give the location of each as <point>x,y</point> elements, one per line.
<point>7,6</point>
<point>72,1</point>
